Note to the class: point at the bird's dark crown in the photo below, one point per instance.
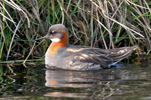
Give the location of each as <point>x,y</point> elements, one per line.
<point>55,30</point>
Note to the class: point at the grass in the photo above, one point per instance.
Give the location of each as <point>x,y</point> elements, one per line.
<point>98,23</point>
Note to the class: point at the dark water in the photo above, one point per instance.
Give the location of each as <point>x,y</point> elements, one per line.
<point>124,82</point>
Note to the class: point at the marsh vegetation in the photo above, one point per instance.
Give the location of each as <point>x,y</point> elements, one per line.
<point>96,23</point>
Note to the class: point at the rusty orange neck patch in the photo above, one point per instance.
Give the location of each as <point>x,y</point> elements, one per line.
<point>54,46</point>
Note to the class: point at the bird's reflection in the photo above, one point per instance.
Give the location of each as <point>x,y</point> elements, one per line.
<point>69,95</point>
<point>96,84</point>
<point>74,79</point>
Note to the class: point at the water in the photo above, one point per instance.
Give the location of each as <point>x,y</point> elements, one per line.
<point>124,82</point>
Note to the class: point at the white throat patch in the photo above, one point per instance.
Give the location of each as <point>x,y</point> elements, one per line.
<point>55,40</point>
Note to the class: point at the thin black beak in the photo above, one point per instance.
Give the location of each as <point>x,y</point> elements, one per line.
<point>40,38</point>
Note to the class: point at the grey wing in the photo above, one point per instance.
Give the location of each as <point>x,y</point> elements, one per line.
<point>95,57</point>
<point>88,58</point>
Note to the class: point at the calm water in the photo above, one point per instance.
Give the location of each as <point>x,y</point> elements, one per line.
<point>124,82</point>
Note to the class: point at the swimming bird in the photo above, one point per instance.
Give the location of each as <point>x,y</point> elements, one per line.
<point>71,57</point>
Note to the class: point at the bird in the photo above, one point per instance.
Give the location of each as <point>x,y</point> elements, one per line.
<point>61,55</point>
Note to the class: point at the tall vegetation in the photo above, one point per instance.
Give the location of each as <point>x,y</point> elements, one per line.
<point>97,23</point>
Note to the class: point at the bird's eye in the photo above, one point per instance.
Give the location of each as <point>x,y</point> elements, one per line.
<point>53,32</point>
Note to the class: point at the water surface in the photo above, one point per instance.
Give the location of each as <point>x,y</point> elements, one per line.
<point>126,81</point>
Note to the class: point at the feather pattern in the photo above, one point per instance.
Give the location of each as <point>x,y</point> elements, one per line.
<point>96,56</point>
